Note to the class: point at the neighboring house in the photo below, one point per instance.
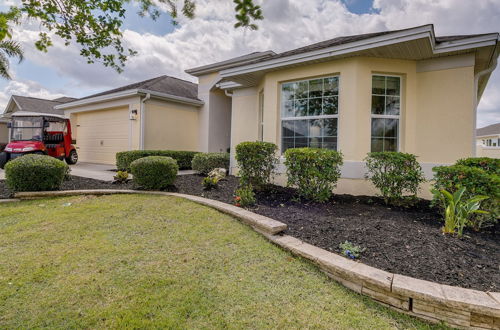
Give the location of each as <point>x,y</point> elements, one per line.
<point>488,141</point>
<point>407,90</point>
<point>159,113</point>
<point>28,105</point>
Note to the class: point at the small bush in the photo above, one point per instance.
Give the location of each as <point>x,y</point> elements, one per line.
<point>396,174</point>
<point>314,172</point>
<point>489,165</point>
<point>121,177</point>
<point>154,172</point>
<point>257,162</point>
<point>245,197</point>
<point>35,173</point>
<point>207,161</point>
<point>125,158</point>
<point>476,181</point>
<point>210,182</point>
<point>351,250</point>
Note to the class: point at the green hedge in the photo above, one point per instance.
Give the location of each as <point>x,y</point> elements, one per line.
<point>314,172</point>
<point>205,162</point>
<point>476,181</point>
<point>396,175</point>
<point>490,165</point>
<point>257,162</point>
<point>154,172</point>
<point>35,173</point>
<point>125,158</point>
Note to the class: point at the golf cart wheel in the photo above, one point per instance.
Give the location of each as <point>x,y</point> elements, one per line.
<point>72,158</point>
<point>3,159</point>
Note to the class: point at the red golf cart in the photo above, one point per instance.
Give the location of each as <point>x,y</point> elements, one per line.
<point>42,134</point>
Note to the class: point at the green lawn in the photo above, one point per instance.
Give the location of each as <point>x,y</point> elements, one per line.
<point>161,262</point>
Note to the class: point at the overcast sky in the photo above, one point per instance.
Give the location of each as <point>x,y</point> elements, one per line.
<point>210,37</point>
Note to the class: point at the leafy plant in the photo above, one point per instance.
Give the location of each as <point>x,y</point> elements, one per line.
<point>314,172</point>
<point>154,172</point>
<point>458,209</point>
<point>35,173</point>
<point>245,196</point>
<point>121,177</point>
<point>205,162</point>
<point>396,175</point>
<point>489,165</point>
<point>210,182</point>
<point>351,250</point>
<point>257,162</point>
<point>183,158</point>
<point>476,181</point>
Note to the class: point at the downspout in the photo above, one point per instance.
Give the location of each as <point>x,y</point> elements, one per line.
<point>228,94</point>
<point>143,120</point>
<point>477,76</point>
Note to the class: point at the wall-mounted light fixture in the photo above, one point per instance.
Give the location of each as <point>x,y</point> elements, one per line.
<point>133,114</point>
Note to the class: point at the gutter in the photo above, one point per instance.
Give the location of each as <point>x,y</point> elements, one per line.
<point>477,76</point>
<point>143,120</point>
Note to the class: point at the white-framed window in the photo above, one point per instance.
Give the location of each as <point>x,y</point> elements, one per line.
<point>385,112</point>
<point>309,113</point>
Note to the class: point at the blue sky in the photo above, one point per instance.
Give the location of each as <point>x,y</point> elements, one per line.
<point>211,37</point>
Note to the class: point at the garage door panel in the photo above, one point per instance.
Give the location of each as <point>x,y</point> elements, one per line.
<point>101,134</point>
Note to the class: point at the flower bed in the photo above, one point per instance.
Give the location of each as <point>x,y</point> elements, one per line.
<point>403,241</point>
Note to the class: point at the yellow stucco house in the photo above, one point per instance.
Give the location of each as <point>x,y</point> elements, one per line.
<point>488,141</point>
<point>407,90</point>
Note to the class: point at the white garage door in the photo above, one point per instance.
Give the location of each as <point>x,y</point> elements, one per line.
<point>101,134</point>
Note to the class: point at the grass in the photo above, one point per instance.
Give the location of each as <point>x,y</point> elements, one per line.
<point>160,262</point>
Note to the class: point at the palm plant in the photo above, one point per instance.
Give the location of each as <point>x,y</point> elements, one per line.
<point>457,212</point>
<point>9,48</point>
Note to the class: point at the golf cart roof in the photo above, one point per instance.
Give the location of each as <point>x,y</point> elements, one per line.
<point>36,114</point>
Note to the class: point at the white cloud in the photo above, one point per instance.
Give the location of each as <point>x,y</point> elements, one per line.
<point>288,24</point>
<point>25,88</point>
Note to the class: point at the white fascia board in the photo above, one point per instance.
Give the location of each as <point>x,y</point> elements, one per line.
<point>11,100</point>
<point>228,85</point>
<point>172,98</point>
<point>487,136</point>
<point>384,40</point>
<point>474,42</point>
<point>97,99</point>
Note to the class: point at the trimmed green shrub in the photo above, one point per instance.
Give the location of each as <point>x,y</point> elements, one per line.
<point>396,174</point>
<point>35,173</point>
<point>125,158</point>
<point>490,165</point>
<point>257,162</point>
<point>314,172</point>
<point>205,162</point>
<point>476,181</point>
<point>154,172</point>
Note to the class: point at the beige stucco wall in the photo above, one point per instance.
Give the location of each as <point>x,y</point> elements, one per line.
<point>171,126</point>
<point>4,133</point>
<point>492,152</point>
<point>436,121</point>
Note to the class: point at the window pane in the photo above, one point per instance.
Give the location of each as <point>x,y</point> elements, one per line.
<point>378,85</point>
<point>287,143</point>
<point>316,88</point>
<point>390,145</point>
<point>391,128</point>
<point>392,105</point>
<point>287,109</point>
<point>377,127</point>
<point>315,142</point>
<point>287,91</point>
<point>315,127</point>
<point>315,107</point>
<point>301,142</point>
<point>302,91</point>
<point>330,143</point>
<point>330,127</point>
<point>288,128</point>
<point>331,86</point>
<point>301,128</point>
<point>300,108</point>
<point>377,145</point>
<point>378,104</point>
<point>393,86</point>
<point>330,105</point>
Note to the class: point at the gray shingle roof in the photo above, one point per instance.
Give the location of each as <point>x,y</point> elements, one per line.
<point>163,84</point>
<point>488,130</point>
<point>33,104</point>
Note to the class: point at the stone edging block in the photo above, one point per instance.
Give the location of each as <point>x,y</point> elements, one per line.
<point>427,300</point>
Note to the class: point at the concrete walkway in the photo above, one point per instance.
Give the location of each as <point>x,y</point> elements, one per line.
<point>95,171</point>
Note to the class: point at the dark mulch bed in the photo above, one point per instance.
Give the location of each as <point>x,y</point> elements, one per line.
<point>403,241</point>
